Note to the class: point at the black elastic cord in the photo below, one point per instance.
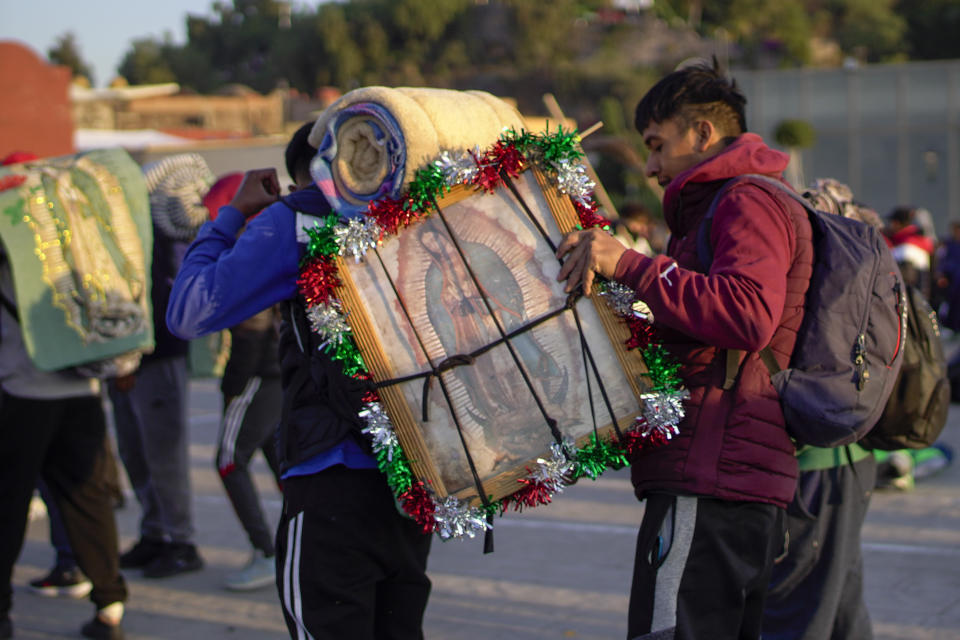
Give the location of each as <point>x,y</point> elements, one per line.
<point>443,387</point>
<point>551,422</point>
<point>583,341</point>
<point>596,373</point>
<point>464,358</point>
<point>523,203</point>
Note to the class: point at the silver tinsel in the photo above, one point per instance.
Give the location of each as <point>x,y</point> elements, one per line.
<point>572,179</point>
<point>663,412</point>
<point>379,429</point>
<point>623,300</point>
<point>458,168</point>
<point>454,519</point>
<point>328,321</point>
<point>554,473</point>
<point>357,236</point>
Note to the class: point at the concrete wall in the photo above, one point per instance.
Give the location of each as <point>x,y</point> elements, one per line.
<point>892,132</point>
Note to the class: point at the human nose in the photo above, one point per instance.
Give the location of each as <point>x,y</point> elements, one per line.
<point>651,167</point>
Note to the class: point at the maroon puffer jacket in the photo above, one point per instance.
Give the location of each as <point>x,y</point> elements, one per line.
<point>732,444</point>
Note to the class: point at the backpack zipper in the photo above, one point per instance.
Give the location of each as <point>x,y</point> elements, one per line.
<point>901,316</point>
<point>859,348</point>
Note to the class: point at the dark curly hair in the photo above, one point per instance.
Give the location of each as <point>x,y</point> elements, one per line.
<point>693,92</point>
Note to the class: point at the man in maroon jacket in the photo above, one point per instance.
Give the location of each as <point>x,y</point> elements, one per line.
<point>715,494</point>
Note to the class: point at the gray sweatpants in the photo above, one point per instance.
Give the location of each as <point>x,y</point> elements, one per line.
<point>153,443</point>
<point>249,423</point>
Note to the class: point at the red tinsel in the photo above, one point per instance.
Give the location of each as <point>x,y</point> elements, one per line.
<point>531,495</point>
<point>317,280</point>
<point>588,215</point>
<point>641,333</point>
<point>488,176</point>
<point>507,158</point>
<point>635,440</point>
<point>392,215</point>
<point>12,181</point>
<point>418,505</point>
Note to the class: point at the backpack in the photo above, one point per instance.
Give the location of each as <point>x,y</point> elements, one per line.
<point>916,411</point>
<point>849,347</point>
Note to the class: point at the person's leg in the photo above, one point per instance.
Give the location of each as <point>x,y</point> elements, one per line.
<point>65,578</point>
<point>344,569</point>
<point>249,422</point>
<point>129,426</point>
<point>160,397</point>
<point>76,472</point>
<point>65,560</point>
<point>26,428</point>
<point>701,568</point>
<point>816,589</point>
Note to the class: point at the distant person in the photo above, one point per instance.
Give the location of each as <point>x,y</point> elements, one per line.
<point>252,403</point>
<point>716,494</point>
<point>634,227</point>
<point>912,248</point>
<point>150,406</point>
<point>53,427</point>
<point>348,564</point>
<point>948,278</point>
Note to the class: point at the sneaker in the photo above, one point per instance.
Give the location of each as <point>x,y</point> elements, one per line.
<point>145,551</point>
<point>176,558</point>
<point>259,572</point>
<point>62,583</point>
<point>100,630</point>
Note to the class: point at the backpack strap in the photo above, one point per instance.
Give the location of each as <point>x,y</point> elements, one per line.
<point>705,256</point>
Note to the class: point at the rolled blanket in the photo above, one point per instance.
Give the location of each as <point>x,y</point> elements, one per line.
<point>177,185</point>
<point>372,140</point>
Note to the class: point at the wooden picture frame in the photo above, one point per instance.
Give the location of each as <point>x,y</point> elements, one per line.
<point>414,306</point>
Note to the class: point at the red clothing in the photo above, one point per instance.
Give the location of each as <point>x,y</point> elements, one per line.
<point>911,234</point>
<point>732,444</point>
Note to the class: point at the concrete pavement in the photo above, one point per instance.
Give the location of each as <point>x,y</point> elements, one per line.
<point>561,571</point>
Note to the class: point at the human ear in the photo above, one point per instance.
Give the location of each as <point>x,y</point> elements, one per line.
<point>705,132</point>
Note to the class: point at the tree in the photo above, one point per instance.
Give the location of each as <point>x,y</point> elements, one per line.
<point>66,52</point>
<point>147,63</point>
<point>869,29</point>
<point>780,28</point>
<point>932,28</point>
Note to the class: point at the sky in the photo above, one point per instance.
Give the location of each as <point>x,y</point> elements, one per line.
<point>103,29</point>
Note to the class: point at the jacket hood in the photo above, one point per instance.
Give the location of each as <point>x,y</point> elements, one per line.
<point>747,154</point>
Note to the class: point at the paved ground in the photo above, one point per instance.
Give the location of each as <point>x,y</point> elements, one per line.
<point>560,571</point>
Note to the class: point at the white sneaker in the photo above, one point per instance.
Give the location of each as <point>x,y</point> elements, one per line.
<point>259,572</point>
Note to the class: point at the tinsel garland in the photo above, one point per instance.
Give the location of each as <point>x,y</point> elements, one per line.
<point>557,154</point>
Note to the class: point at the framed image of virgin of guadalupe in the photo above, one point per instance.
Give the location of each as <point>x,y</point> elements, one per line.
<point>482,360</point>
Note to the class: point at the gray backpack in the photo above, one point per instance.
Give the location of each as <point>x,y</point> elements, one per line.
<point>849,348</point>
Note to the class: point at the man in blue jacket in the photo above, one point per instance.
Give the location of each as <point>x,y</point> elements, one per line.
<point>349,565</point>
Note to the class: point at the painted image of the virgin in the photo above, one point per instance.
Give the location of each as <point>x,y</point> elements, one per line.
<point>490,397</point>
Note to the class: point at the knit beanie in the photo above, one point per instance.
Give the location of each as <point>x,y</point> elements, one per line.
<point>177,185</point>
<point>221,193</point>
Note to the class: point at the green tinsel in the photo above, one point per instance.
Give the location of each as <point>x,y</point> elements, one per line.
<point>323,241</point>
<point>397,470</point>
<point>597,456</point>
<point>662,368</point>
<point>560,146</point>
<point>427,184</point>
<point>347,353</point>
<point>522,141</point>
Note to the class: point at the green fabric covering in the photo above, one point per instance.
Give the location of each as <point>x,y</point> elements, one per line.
<point>78,235</point>
<point>812,458</point>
